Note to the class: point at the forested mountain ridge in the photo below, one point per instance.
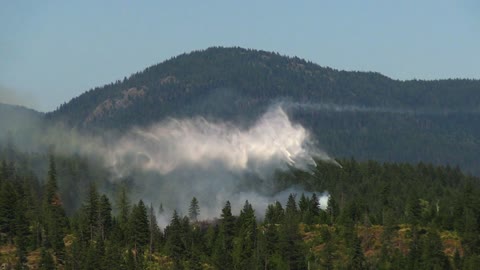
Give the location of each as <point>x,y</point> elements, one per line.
<point>8,113</point>
<point>361,114</point>
<point>189,83</point>
<point>18,121</point>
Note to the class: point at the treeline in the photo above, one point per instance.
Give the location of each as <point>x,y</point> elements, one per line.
<point>379,216</point>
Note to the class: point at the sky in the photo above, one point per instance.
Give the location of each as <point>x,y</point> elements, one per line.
<point>52,51</point>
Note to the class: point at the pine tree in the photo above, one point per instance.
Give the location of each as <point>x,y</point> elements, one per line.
<point>7,209</point>
<point>139,233</point>
<point>173,234</point>
<point>105,222</point>
<point>433,256</point>
<point>91,211</point>
<point>413,210</point>
<point>332,209</point>
<point>245,247</point>
<point>222,254</point>
<point>123,206</point>
<point>303,204</point>
<point>55,218</point>
<point>314,206</point>
<point>357,258</point>
<point>46,260</point>
<point>291,211</point>
<point>194,210</point>
<point>290,240</point>
<point>414,253</point>
<point>152,228</point>
<point>22,233</point>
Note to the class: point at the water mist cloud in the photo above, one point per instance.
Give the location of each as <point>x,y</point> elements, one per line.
<point>272,141</point>
<point>178,159</point>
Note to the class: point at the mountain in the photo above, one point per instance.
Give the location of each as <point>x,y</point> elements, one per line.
<point>361,114</point>
<point>16,119</point>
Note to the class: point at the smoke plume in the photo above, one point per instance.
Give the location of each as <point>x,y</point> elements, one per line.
<point>175,160</point>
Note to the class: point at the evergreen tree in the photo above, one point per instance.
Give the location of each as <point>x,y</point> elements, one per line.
<point>433,256</point>
<point>46,260</point>
<point>175,246</point>
<point>21,227</point>
<point>139,233</point>
<point>245,246</point>
<point>54,215</point>
<point>414,253</point>
<point>314,205</point>
<point>91,211</point>
<point>123,213</point>
<point>7,209</point>
<point>290,239</point>
<point>105,221</point>
<point>222,255</point>
<point>194,210</point>
<point>291,211</point>
<point>332,209</point>
<point>154,230</point>
<point>413,210</point>
<point>303,204</point>
<point>357,258</point>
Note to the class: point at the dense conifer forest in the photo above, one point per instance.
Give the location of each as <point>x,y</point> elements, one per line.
<point>54,215</point>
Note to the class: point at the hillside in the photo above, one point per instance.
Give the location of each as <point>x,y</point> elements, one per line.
<point>18,121</point>
<point>361,114</point>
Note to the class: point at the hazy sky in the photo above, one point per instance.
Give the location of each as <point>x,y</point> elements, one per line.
<point>52,51</point>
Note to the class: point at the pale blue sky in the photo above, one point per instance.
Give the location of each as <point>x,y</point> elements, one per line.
<point>52,51</point>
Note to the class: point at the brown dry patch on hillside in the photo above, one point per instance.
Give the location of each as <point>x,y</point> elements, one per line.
<point>8,257</point>
<point>33,259</point>
<point>110,105</point>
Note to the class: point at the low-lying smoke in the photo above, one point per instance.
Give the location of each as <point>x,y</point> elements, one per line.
<point>15,97</point>
<point>341,108</point>
<point>175,160</point>
<point>178,159</point>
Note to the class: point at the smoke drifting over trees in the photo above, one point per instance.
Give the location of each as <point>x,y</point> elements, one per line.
<point>175,160</point>
<point>172,161</point>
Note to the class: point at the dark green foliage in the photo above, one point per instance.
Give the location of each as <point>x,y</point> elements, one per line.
<point>274,213</point>
<point>46,261</point>
<point>433,256</point>
<point>223,249</point>
<point>174,239</point>
<point>92,212</point>
<point>246,241</point>
<point>139,233</point>
<point>55,220</point>
<point>357,258</point>
<point>7,209</point>
<point>194,209</point>
<point>332,209</point>
<point>380,216</point>
<point>104,221</point>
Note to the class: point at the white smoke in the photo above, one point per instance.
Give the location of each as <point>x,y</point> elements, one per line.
<point>273,140</point>
<point>178,159</point>
<point>351,108</point>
